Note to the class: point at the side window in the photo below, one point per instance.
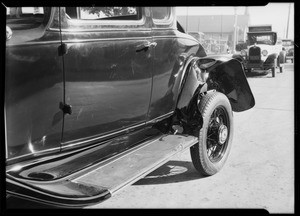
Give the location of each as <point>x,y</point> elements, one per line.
<point>104,13</point>
<point>22,18</point>
<point>161,14</point>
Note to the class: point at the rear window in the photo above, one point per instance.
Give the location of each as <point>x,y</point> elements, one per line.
<point>161,14</point>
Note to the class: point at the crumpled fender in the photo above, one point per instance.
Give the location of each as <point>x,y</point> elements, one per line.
<point>270,61</point>
<point>224,74</point>
<point>229,78</point>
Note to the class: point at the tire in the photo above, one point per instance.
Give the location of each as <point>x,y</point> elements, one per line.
<point>273,71</point>
<point>281,60</point>
<point>210,154</point>
<point>281,57</point>
<point>281,69</point>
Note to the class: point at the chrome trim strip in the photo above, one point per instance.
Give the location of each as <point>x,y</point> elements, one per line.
<point>33,43</point>
<point>160,118</point>
<point>78,41</point>
<point>91,139</point>
<point>106,39</point>
<point>36,153</point>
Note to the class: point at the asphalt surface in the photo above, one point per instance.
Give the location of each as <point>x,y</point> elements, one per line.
<point>259,172</point>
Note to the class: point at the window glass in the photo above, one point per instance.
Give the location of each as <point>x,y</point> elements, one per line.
<point>104,13</point>
<point>161,13</point>
<point>262,39</point>
<point>21,18</point>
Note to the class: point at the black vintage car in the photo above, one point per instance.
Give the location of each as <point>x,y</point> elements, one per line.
<point>98,97</point>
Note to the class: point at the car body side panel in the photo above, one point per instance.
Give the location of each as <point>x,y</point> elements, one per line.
<point>171,53</point>
<point>107,79</point>
<point>33,90</point>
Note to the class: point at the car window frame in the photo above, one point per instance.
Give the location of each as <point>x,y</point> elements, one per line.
<point>69,24</point>
<point>164,24</point>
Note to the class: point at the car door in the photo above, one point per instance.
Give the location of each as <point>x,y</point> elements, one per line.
<point>166,67</point>
<point>108,71</point>
<point>33,82</point>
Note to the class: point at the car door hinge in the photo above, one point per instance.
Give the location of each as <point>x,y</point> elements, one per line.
<point>62,49</point>
<point>66,108</point>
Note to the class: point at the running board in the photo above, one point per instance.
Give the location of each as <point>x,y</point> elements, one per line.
<point>99,182</point>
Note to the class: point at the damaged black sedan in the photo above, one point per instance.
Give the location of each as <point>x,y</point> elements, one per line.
<point>98,97</point>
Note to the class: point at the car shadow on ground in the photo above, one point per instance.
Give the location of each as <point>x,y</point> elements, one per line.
<point>171,172</point>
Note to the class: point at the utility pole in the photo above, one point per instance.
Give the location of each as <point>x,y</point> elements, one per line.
<point>187,16</point>
<point>288,22</point>
<point>234,33</point>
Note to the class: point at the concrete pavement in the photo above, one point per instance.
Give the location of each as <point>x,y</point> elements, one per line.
<point>258,174</point>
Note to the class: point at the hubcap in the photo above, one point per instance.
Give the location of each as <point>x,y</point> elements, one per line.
<point>223,133</point>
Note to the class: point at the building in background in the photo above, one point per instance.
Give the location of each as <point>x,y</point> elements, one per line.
<point>218,29</point>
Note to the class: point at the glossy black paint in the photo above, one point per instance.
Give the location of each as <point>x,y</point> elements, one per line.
<point>119,95</point>
<point>69,163</point>
<point>33,90</point>
<point>228,77</point>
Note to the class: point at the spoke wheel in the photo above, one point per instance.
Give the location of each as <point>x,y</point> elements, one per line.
<point>215,136</point>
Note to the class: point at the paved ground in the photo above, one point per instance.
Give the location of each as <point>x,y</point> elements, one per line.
<point>258,174</point>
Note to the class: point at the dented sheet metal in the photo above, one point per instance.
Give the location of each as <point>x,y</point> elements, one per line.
<point>228,76</point>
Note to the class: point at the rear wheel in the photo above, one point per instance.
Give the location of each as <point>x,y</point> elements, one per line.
<point>215,136</point>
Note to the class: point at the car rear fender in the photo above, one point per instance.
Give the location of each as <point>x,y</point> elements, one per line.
<point>218,73</point>
<point>227,76</point>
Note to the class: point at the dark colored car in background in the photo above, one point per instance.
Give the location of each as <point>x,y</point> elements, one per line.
<point>98,97</point>
<point>288,44</point>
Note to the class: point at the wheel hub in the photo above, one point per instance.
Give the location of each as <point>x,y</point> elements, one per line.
<point>223,133</point>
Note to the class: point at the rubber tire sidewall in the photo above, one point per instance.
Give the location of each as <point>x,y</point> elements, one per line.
<point>199,151</point>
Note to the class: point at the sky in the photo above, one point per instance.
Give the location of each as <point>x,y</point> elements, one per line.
<point>275,14</point>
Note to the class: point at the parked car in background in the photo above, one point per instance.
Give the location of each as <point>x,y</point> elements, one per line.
<point>98,97</point>
<point>262,51</point>
<point>288,44</point>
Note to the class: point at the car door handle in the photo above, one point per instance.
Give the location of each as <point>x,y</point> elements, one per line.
<point>146,46</point>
